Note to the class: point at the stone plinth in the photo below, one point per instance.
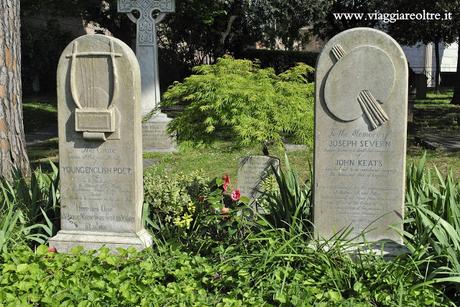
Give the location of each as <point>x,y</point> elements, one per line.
<point>155,135</point>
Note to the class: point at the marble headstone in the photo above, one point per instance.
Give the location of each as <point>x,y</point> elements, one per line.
<point>252,170</point>
<point>100,146</point>
<point>360,136</point>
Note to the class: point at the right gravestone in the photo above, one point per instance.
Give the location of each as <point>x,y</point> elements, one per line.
<point>360,136</point>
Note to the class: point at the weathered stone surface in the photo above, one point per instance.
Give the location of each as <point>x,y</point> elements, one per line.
<point>100,146</point>
<point>147,44</point>
<point>360,137</point>
<point>155,136</point>
<point>252,170</point>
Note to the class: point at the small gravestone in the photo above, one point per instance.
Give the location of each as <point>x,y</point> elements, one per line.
<point>100,146</point>
<point>252,171</point>
<point>360,137</point>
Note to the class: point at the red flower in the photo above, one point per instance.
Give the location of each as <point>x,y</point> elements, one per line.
<point>236,195</point>
<point>226,182</point>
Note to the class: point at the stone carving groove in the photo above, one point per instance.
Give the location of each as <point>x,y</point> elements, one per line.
<point>371,108</point>
<point>146,23</point>
<point>338,52</point>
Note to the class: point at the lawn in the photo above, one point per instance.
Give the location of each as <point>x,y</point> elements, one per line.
<point>441,98</point>
<point>38,114</point>
<point>222,157</point>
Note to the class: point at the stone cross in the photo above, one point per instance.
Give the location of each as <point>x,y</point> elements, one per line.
<point>147,45</point>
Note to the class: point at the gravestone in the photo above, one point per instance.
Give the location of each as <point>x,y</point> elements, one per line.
<point>154,129</point>
<point>360,136</point>
<point>100,146</point>
<point>252,170</point>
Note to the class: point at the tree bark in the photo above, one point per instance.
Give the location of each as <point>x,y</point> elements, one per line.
<point>437,76</point>
<point>13,153</point>
<point>456,98</point>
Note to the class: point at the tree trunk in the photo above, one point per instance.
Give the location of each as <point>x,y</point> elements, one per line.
<point>437,76</point>
<point>456,98</point>
<point>13,153</point>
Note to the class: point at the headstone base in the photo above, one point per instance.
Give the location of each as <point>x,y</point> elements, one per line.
<point>91,240</point>
<point>387,249</point>
<point>155,137</point>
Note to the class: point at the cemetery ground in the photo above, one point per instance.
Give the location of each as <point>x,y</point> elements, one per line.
<point>203,255</point>
<point>40,114</point>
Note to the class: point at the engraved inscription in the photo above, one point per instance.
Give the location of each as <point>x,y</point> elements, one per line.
<point>360,130</point>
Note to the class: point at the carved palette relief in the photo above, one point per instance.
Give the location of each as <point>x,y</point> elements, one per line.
<point>351,90</point>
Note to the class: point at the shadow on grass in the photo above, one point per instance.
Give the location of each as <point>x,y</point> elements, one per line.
<point>38,115</point>
<point>41,153</point>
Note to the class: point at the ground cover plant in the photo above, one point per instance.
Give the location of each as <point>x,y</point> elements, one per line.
<point>211,249</point>
<point>220,258</point>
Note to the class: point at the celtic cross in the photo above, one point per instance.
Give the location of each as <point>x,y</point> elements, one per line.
<point>147,45</point>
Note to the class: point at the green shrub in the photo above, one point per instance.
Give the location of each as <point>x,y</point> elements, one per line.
<point>190,208</point>
<point>289,206</point>
<point>433,224</point>
<point>273,272</point>
<point>237,100</point>
<point>170,200</point>
<point>29,207</point>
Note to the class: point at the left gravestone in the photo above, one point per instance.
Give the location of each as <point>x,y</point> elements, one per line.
<point>100,146</point>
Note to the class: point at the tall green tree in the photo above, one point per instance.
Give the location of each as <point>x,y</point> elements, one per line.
<point>280,21</point>
<point>201,29</point>
<point>327,23</point>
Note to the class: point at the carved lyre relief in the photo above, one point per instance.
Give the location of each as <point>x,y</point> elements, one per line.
<point>94,88</point>
<point>359,83</point>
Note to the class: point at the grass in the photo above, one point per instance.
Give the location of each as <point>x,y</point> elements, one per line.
<point>41,153</point>
<point>38,115</point>
<point>433,98</point>
<point>219,159</point>
<point>444,161</point>
<point>438,101</point>
<point>222,159</point>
